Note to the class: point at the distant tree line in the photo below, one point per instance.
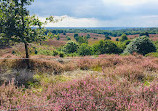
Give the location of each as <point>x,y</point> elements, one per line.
<point>113,33</point>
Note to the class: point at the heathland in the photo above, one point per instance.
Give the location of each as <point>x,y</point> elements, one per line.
<point>80,71</point>
<point>74,69</point>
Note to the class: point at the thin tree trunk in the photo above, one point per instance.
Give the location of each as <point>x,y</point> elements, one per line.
<point>23,28</point>
<point>27,55</point>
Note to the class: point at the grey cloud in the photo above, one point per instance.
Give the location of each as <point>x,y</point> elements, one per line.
<point>91,9</point>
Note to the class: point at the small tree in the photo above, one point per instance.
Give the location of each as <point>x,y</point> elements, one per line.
<point>123,37</point>
<point>50,35</point>
<point>76,37</point>
<point>88,36</point>
<point>141,45</point>
<point>144,34</point>
<point>17,23</point>
<point>107,38</point>
<point>71,47</point>
<point>117,39</point>
<point>82,40</point>
<point>84,49</point>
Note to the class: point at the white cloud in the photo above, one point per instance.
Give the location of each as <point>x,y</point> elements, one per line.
<point>72,22</point>
<point>136,21</point>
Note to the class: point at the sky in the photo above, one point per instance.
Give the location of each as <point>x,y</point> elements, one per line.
<point>98,13</point>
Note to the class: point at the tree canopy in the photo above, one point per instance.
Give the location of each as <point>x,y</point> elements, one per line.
<point>141,45</point>
<point>17,25</point>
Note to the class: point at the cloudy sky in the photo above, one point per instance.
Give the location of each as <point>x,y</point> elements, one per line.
<point>98,13</point>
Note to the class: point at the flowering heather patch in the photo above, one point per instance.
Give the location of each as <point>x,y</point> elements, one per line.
<point>125,83</point>
<point>85,94</point>
<point>54,43</point>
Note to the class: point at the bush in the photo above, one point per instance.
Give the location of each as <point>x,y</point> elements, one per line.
<point>71,47</point>
<point>45,52</point>
<point>121,46</point>
<point>152,54</point>
<point>82,40</point>
<point>107,38</point>
<point>105,47</point>
<point>117,39</point>
<point>141,45</point>
<point>123,38</point>
<point>68,38</point>
<point>76,37</point>
<point>61,54</point>
<point>88,36</point>
<point>84,49</point>
<point>55,53</point>
<point>127,42</point>
<point>144,34</point>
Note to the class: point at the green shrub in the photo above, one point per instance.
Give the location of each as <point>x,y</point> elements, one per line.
<point>45,52</point>
<point>13,52</point>
<point>71,47</point>
<point>82,40</point>
<point>68,38</point>
<point>117,39</point>
<point>156,45</point>
<point>105,47</point>
<point>36,52</point>
<point>73,54</point>
<point>121,46</point>
<point>107,38</point>
<point>144,34</point>
<point>127,42</point>
<point>84,49</point>
<point>95,49</point>
<point>55,53</point>
<point>141,45</point>
<point>123,37</point>
<point>88,36</point>
<point>61,54</point>
<point>76,37</point>
<point>152,54</point>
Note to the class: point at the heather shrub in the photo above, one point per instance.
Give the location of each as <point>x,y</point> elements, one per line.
<point>70,66</point>
<point>85,63</point>
<point>36,65</point>
<point>46,66</point>
<point>89,93</point>
<point>149,65</point>
<point>141,45</point>
<point>131,72</point>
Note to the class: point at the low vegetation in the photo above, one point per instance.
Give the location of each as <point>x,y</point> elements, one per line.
<point>109,82</point>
